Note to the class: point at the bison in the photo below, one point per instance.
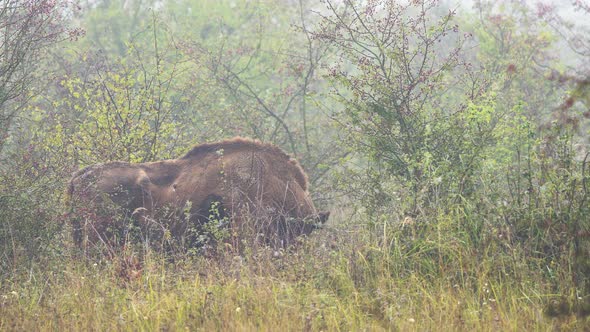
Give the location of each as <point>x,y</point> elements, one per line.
<point>241,184</point>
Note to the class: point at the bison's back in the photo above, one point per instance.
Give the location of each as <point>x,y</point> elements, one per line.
<point>250,177</point>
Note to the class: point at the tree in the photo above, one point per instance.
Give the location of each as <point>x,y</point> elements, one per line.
<point>407,98</point>
<point>134,109</point>
<point>27,30</point>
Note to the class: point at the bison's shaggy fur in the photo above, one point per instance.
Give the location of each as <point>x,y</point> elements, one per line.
<point>246,184</point>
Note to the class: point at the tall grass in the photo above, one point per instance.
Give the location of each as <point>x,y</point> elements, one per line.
<point>344,277</point>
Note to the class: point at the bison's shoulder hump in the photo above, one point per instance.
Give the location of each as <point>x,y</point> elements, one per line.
<point>238,144</point>
<point>235,144</point>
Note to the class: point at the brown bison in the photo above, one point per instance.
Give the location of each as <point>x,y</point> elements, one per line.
<point>241,184</point>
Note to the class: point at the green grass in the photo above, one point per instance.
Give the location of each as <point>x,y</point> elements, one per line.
<point>338,280</point>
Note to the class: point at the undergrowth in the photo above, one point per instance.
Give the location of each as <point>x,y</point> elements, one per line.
<point>345,277</point>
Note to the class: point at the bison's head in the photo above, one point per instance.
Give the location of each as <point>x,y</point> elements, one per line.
<point>291,228</point>
<point>323,217</point>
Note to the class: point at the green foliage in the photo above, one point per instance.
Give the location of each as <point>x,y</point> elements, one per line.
<point>393,95</point>
<point>27,30</point>
<point>131,110</point>
<point>482,160</point>
<point>111,24</point>
<point>118,120</point>
<point>515,50</point>
<point>30,210</point>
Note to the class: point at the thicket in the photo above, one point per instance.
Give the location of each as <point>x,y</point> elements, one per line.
<point>451,145</point>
